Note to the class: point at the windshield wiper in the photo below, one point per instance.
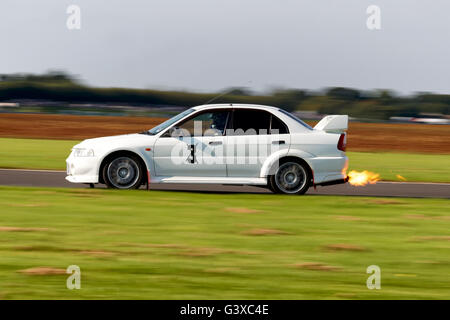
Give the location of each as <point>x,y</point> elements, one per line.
<point>147,132</point>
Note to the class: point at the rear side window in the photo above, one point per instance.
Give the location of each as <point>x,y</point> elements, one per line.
<point>256,122</point>
<point>277,126</point>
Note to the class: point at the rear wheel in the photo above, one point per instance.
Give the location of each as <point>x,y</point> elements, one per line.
<point>123,172</point>
<point>290,178</point>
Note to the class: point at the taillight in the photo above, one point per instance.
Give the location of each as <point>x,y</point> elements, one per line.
<point>342,144</point>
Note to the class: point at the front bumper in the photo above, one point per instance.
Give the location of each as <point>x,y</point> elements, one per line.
<point>82,169</point>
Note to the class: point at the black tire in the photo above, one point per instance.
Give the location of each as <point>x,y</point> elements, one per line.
<point>269,184</point>
<point>123,172</point>
<point>291,177</point>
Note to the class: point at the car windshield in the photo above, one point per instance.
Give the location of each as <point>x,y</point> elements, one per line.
<point>169,122</point>
<point>296,119</point>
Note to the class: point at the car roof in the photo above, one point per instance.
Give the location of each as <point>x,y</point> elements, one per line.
<point>234,105</point>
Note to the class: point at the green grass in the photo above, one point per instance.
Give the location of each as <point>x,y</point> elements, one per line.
<point>34,153</point>
<point>51,154</point>
<point>411,166</point>
<point>173,245</point>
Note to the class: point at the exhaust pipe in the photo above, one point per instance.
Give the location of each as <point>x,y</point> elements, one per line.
<point>333,182</point>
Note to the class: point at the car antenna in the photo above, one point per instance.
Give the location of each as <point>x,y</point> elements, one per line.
<point>224,93</point>
<point>220,95</point>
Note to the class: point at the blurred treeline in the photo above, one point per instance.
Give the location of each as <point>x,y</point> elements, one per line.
<point>377,104</point>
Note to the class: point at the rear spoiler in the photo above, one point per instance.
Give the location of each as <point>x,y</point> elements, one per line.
<point>334,123</point>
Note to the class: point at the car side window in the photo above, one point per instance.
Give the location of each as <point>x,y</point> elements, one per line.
<point>251,122</point>
<point>209,123</point>
<point>277,126</point>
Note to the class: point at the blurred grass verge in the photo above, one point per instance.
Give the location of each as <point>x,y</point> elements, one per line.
<point>51,154</point>
<point>174,245</point>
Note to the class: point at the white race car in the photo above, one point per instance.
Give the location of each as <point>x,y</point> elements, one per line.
<point>222,144</point>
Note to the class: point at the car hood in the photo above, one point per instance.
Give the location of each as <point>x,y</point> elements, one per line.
<point>109,142</point>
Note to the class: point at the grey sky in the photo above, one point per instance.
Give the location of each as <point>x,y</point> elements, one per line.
<point>208,45</point>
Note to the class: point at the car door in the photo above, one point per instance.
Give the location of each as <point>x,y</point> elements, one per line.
<point>194,148</point>
<point>254,135</point>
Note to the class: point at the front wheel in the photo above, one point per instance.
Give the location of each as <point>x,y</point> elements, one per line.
<point>290,178</point>
<point>123,172</point>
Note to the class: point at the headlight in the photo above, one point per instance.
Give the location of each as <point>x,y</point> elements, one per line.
<point>82,152</point>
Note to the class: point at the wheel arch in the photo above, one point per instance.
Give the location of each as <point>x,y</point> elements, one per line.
<point>120,153</point>
<point>272,163</point>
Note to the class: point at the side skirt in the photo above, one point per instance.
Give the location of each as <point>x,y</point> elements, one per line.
<point>211,180</point>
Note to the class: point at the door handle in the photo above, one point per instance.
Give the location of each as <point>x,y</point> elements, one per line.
<point>279,142</point>
<point>215,143</point>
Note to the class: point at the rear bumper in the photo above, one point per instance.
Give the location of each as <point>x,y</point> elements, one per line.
<point>328,169</point>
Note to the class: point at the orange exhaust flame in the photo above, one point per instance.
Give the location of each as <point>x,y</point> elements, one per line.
<point>356,178</point>
<point>401,177</point>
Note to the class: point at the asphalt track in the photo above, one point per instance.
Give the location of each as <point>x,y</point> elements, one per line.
<point>43,178</point>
